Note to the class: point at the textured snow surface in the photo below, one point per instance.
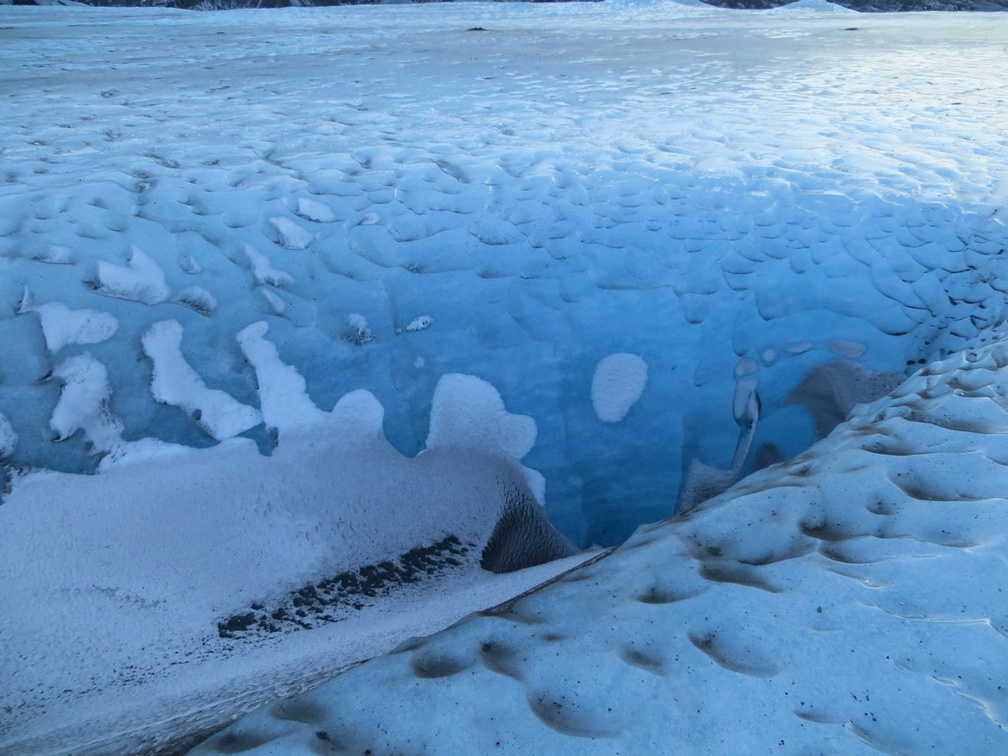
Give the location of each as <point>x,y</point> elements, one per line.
<point>851,600</point>
<point>726,195</point>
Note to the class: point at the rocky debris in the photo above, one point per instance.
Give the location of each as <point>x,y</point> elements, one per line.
<point>332,598</point>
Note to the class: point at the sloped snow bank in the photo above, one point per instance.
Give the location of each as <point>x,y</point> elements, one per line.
<point>850,600</point>
<point>161,596</point>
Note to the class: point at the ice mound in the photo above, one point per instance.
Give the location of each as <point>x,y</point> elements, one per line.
<point>849,599</point>
<point>814,6</point>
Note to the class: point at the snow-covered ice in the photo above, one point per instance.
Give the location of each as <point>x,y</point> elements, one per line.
<point>313,288</point>
<point>129,596</point>
<point>851,600</point>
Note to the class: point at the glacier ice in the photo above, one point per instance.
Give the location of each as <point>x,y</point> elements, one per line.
<point>727,238</point>
<point>303,316</point>
<point>849,600</point>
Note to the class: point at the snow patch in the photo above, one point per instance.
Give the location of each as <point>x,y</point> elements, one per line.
<point>283,393</point>
<point>176,383</point>
<point>140,280</point>
<point>617,384</point>
<point>199,299</point>
<point>62,326</point>
<point>469,413</point>
<point>420,323</point>
<point>56,255</point>
<point>84,403</point>
<point>290,235</point>
<point>263,269</point>
<point>8,438</point>
<point>314,210</point>
<point>357,331</point>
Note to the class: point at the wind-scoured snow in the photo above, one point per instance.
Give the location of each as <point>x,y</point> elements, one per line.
<point>317,290</point>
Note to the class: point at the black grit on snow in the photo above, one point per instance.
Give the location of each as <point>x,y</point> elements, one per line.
<point>330,599</point>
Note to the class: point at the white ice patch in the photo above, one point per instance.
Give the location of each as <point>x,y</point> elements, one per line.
<point>56,255</point>
<point>8,438</point>
<point>468,413</point>
<point>357,330</point>
<point>177,384</point>
<point>745,405</point>
<point>274,300</point>
<point>199,299</point>
<point>745,366</point>
<point>84,403</point>
<point>798,347</point>
<point>62,326</point>
<point>283,393</point>
<point>421,323</point>
<point>314,210</point>
<point>359,414</point>
<point>849,349</point>
<point>264,271</point>
<point>290,235</point>
<point>618,383</point>
<point>140,280</point>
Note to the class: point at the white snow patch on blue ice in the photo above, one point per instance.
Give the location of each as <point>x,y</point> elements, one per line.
<point>8,438</point>
<point>140,280</point>
<point>62,326</point>
<point>617,384</point>
<point>175,382</point>
<point>283,395</point>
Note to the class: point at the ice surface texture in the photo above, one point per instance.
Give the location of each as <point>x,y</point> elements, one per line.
<point>848,601</point>
<point>723,196</point>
